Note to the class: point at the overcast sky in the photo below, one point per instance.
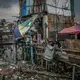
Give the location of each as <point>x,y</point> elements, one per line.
<point>9,8</point>
<point>77,10</point>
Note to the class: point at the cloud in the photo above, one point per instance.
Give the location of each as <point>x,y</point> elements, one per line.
<point>7,3</point>
<point>77,17</point>
<point>9,8</point>
<point>77,4</point>
<point>7,13</point>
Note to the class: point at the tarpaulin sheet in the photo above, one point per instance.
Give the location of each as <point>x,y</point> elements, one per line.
<point>49,51</point>
<point>16,33</point>
<point>25,26</point>
<point>78,27</point>
<point>60,7</point>
<point>70,30</point>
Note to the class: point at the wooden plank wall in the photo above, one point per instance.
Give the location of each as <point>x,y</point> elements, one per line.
<point>53,21</point>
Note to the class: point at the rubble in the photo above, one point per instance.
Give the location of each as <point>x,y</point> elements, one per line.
<point>28,72</point>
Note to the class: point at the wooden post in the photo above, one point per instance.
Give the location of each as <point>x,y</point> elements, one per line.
<point>73,73</point>
<point>16,50</point>
<point>42,58</point>
<point>75,36</point>
<point>32,60</point>
<point>23,52</point>
<point>42,62</point>
<point>45,27</point>
<point>46,64</point>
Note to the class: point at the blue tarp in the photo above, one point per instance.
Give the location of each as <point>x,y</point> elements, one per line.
<point>78,26</point>
<point>24,9</point>
<point>16,33</point>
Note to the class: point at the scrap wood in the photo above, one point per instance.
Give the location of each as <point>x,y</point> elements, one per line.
<point>6,71</point>
<point>69,50</point>
<point>73,44</point>
<point>72,58</point>
<point>44,73</point>
<point>68,62</point>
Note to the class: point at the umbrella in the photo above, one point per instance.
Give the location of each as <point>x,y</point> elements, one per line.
<point>71,30</point>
